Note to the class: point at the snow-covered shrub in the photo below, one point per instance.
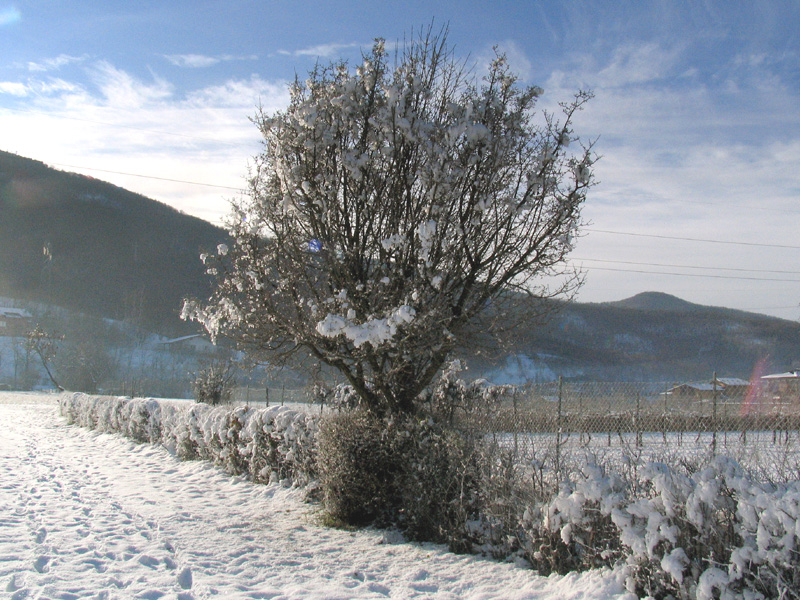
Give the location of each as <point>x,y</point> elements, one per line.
<point>340,397</point>
<point>281,444</point>
<point>441,474</point>
<point>268,443</point>
<point>359,474</point>
<point>214,384</point>
<point>417,475</point>
<point>577,523</point>
<point>704,533</point>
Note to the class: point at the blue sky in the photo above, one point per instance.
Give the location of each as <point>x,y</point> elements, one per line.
<point>697,114</point>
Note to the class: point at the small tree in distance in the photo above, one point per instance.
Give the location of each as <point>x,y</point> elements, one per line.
<point>390,206</point>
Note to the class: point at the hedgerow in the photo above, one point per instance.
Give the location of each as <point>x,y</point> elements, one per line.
<point>690,530</point>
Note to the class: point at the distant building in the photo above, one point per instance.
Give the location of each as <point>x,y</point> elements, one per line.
<point>732,386</point>
<point>783,386</point>
<point>14,322</point>
<point>692,391</point>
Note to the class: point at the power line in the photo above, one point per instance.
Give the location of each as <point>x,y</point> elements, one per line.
<point>644,264</point>
<point>735,205</point>
<point>708,276</point>
<point>689,239</point>
<point>224,187</point>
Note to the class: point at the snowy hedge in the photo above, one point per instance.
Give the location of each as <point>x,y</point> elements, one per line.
<point>710,533</point>
<point>701,531</point>
<point>273,443</point>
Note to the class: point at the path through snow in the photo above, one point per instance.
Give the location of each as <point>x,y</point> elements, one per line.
<point>87,515</point>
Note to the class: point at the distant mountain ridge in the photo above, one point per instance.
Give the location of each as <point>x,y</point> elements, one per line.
<point>650,337</point>
<point>655,301</point>
<point>87,245</point>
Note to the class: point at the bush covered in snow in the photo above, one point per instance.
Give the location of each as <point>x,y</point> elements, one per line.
<point>214,383</point>
<point>684,532</point>
<point>273,443</point>
<point>413,474</point>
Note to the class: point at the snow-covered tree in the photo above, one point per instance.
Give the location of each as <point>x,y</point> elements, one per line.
<point>391,204</point>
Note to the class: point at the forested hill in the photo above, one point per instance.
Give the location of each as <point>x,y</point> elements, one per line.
<point>87,245</point>
<point>650,337</point>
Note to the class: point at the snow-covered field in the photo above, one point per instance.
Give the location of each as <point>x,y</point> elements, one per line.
<point>88,515</point>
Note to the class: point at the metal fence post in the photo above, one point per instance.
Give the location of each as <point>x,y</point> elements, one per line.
<point>664,416</point>
<point>714,416</point>
<point>639,428</point>
<point>558,425</point>
<point>516,423</point>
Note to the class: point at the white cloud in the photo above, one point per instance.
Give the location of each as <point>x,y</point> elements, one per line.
<point>199,61</point>
<point>192,61</point>
<point>14,88</point>
<point>321,50</point>
<point>121,123</point>
<point>515,55</point>
<point>639,63</point>
<point>242,93</point>
<point>53,64</point>
<point>122,90</point>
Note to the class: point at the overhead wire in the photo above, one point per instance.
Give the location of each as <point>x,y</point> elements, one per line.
<point>691,239</point>
<point>699,275</point>
<point>224,187</point>
<point>671,266</point>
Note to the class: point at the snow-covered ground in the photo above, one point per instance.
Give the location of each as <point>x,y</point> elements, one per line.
<point>88,515</point>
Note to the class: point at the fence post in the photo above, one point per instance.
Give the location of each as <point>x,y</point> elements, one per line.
<point>638,423</point>
<point>664,416</point>
<point>714,416</point>
<point>516,423</point>
<point>558,426</point>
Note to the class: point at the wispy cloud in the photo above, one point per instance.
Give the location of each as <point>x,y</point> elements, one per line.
<point>639,63</point>
<point>14,88</point>
<point>321,50</point>
<point>201,61</point>
<point>515,55</point>
<point>120,122</point>
<point>122,90</point>
<point>711,158</point>
<point>53,64</point>
<point>9,16</point>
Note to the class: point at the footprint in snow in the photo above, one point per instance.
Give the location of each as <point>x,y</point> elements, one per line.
<point>17,582</point>
<point>148,561</point>
<point>41,535</point>
<point>185,578</point>
<point>41,564</point>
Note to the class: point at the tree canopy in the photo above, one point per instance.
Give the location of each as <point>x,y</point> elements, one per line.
<point>390,205</point>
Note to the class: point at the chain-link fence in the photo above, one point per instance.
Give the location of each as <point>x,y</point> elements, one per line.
<point>555,422</point>
<point>757,425</point>
<point>263,396</point>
